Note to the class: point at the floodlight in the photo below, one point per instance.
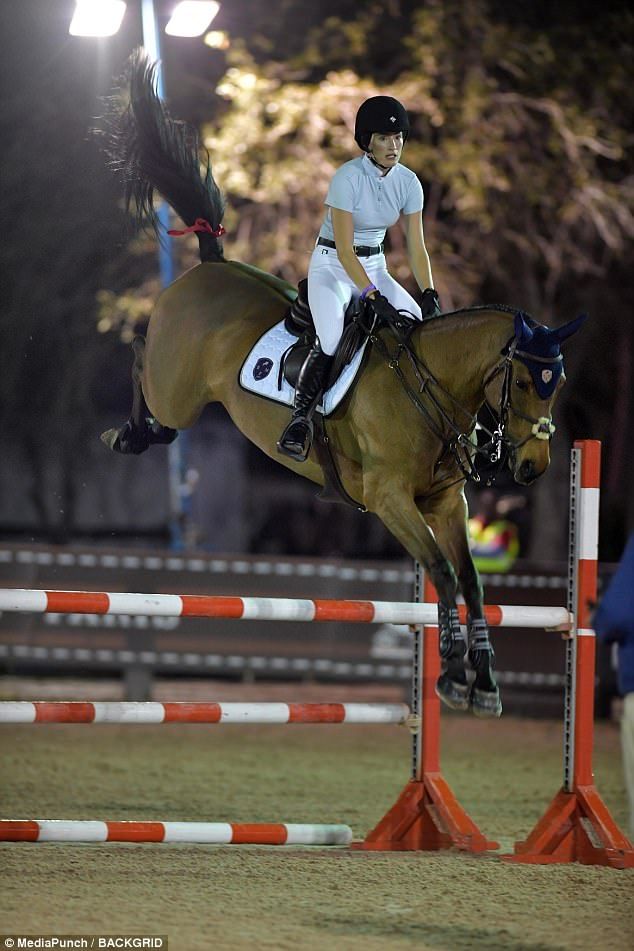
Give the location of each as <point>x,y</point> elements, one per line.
<point>192,17</point>
<point>217,40</point>
<point>97,17</point>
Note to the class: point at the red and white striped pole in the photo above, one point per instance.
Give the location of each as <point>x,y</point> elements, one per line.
<point>577,826</point>
<point>213,833</point>
<point>430,704</point>
<point>584,544</point>
<point>264,609</point>
<point>425,704</point>
<point>43,711</point>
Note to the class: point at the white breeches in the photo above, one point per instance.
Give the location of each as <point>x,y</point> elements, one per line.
<point>330,291</point>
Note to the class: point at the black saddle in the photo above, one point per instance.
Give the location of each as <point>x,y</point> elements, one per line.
<point>357,325</point>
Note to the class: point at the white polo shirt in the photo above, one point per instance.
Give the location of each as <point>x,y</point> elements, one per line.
<point>375,200</point>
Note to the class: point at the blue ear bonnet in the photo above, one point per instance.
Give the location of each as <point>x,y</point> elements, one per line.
<point>539,349</point>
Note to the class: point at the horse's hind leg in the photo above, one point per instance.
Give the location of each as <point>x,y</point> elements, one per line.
<point>141,430</point>
<point>449,523</point>
<point>141,417</point>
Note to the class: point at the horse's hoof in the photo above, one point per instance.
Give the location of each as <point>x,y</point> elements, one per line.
<point>159,435</point>
<point>485,703</point>
<point>110,439</point>
<point>452,694</point>
<point>125,440</point>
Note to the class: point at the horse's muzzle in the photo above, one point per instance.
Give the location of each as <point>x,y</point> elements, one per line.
<point>526,473</point>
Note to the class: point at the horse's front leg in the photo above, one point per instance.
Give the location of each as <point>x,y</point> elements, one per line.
<point>397,509</point>
<point>448,520</point>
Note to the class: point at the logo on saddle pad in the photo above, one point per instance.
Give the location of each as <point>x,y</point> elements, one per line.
<point>547,376</point>
<point>262,368</point>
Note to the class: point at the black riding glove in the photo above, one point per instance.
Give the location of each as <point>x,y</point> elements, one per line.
<point>430,305</point>
<point>383,309</point>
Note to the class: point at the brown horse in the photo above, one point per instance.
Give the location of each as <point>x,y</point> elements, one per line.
<point>401,439</point>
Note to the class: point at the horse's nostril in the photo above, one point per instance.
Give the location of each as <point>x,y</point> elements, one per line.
<point>527,469</point>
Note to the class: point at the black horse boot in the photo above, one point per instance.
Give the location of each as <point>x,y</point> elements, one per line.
<point>452,686</point>
<point>297,438</point>
<point>485,693</point>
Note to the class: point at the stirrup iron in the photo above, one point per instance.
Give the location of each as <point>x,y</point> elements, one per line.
<point>291,446</point>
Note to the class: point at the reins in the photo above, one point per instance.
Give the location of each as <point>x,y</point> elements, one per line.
<point>457,441</point>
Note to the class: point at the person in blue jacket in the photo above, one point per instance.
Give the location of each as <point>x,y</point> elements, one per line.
<point>614,624</point>
<point>366,196</point>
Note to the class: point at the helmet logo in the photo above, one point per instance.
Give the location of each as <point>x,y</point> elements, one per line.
<point>392,118</point>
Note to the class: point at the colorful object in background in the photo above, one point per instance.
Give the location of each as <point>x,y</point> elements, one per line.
<point>494,544</point>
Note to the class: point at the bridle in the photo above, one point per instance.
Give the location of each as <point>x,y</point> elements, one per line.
<point>542,427</point>
<point>458,441</point>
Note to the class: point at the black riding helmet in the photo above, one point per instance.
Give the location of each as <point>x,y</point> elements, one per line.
<point>379,114</point>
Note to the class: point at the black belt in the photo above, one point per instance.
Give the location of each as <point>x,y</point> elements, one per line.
<point>361,251</point>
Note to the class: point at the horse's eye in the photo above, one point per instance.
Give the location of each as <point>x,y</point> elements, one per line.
<point>521,384</point>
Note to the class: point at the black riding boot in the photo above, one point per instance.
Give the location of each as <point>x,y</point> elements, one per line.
<point>297,438</point>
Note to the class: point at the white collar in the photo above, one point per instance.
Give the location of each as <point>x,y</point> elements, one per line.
<point>371,169</point>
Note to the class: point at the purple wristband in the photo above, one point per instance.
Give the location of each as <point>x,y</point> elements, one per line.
<point>366,290</point>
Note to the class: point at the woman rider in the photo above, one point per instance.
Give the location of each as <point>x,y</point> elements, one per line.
<point>366,196</point>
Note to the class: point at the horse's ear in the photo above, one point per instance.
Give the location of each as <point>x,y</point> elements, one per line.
<point>562,333</point>
<point>523,332</point>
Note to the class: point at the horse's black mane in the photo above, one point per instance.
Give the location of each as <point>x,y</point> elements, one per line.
<point>469,311</point>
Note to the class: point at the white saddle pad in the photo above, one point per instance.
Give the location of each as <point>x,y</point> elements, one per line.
<point>261,369</point>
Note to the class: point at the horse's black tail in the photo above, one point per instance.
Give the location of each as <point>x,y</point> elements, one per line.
<point>151,152</point>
